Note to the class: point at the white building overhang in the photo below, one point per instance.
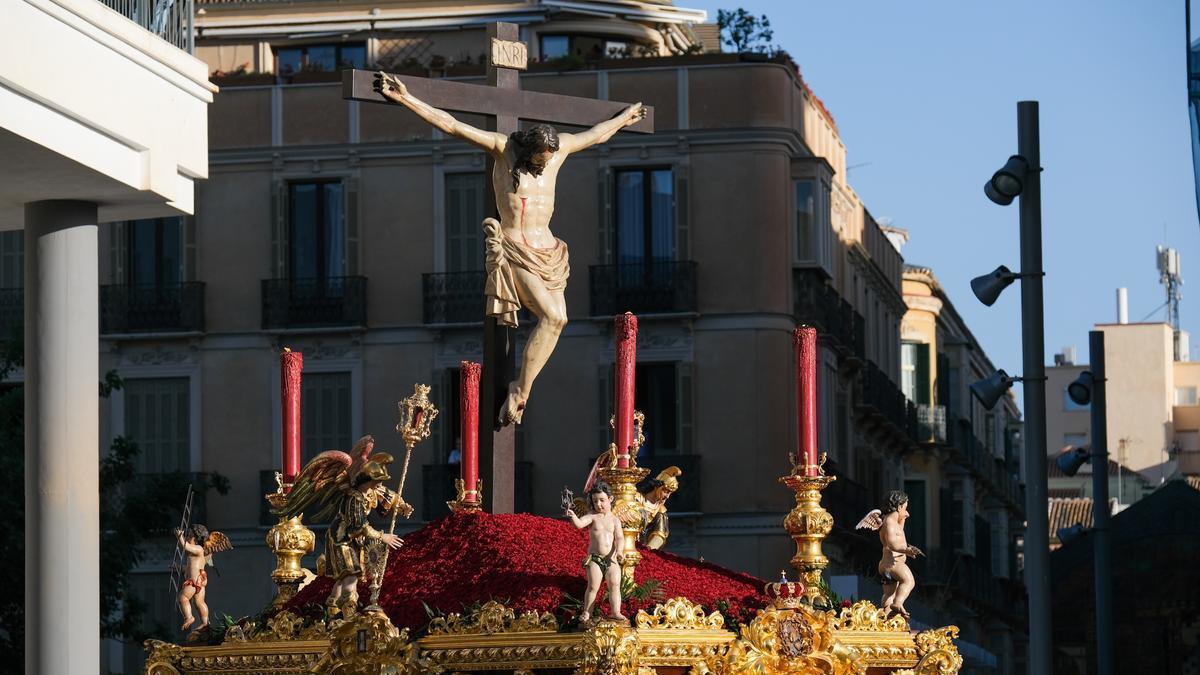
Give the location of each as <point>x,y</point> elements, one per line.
<point>93,107</point>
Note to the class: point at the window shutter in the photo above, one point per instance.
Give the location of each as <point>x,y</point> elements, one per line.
<point>951,526</point>
<point>604,376</point>
<point>188,270</point>
<point>279,229</point>
<point>683,413</point>
<point>942,383</point>
<point>605,228</point>
<point>682,243</point>
<point>118,251</point>
<point>350,218</point>
<point>923,373</point>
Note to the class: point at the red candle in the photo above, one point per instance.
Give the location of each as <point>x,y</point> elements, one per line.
<point>469,427</point>
<point>626,343</point>
<point>291,363</point>
<point>805,339</point>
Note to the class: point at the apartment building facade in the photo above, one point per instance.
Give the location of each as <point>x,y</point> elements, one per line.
<point>350,232</point>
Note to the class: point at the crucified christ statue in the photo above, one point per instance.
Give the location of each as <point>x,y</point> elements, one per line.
<point>526,264</point>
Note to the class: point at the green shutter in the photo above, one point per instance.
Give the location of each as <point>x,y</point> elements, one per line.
<point>605,225</point>
<point>279,229</point>
<point>942,383</point>
<point>682,242</point>
<point>683,414</point>
<point>350,218</point>
<point>922,366</point>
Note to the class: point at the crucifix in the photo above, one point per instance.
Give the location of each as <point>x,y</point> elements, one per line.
<point>526,265</point>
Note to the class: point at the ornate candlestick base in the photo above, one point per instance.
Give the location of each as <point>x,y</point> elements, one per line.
<point>289,540</point>
<point>625,500</point>
<point>808,524</point>
<point>468,501</point>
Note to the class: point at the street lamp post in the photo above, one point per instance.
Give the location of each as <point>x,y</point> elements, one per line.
<point>1100,512</point>
<point>1033,348</point>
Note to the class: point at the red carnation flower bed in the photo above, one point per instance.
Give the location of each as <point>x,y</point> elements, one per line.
<point>529,562</point>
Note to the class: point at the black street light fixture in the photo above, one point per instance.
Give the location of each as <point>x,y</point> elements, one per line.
<point>1021,177</point>
<point>1080,391</point>
<point>1007,183</point>
<point>1071,461</point>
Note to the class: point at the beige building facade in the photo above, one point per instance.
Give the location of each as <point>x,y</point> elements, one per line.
<point>350,232</point>
<point>1153,407</point>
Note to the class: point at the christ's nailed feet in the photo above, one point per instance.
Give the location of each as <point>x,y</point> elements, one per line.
<point>514,407</point>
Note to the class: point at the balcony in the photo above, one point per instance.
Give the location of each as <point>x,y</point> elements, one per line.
<point>453,297</point>
<point>972,582</point>
<point>151,308</point>
<point>643,288</point>
<point>323,302</point>
<point>169,19</point>
<point>931,424</point>
<point>817,304</point>
<point>438,481</point>
<point>12,313</point>
<point>972,454</point>
<point>884,399</point>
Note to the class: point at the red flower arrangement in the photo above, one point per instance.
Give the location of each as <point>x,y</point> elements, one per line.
<point>530,563</point>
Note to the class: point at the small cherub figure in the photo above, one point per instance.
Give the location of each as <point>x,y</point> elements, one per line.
<point>898,581</point>
<point>198,546</point>
<point>606,544</point>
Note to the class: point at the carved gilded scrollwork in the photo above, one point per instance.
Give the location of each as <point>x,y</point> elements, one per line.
<point>369,644</point>
<point>162,658</point>
<point>609,649</point>
<point>939,656</point>
<point>792,641</point>
<point>493,617</point>
<point>864,616</point>
<point>679,614</point>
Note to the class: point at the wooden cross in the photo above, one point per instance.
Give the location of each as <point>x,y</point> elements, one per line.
<point>505,105</point>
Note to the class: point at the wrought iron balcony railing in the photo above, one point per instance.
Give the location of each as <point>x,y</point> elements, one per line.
<point>318,302</point>
<point>643,288</point>
<point>882,395</point>
<point>12,313</point>
<point>817,304</point>
<point>972,454</point>
<point>150,308</point>
<point>453,297</point>
<point>171,20</point>
<point>931,423</point>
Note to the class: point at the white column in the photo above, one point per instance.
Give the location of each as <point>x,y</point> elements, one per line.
<point>62,554</point>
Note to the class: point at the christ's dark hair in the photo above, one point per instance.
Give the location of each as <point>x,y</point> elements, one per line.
<point>538,138</point>
<point>894,500</point>
<point>597,488</point>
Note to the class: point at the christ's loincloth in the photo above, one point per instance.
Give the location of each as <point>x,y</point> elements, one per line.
<point>548,264</point>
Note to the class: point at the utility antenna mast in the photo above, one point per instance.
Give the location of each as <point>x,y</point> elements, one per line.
<point>1171,277</point>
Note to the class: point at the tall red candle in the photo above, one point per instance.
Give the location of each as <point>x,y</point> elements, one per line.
<point>291,363</point>
<point>469,426</point>
<point>805,338</point>
<point>626,343</point>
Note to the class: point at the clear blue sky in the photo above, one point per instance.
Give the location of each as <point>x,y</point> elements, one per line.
<point>924,95</point>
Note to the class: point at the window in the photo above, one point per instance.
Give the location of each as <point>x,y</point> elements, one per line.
<point>914,371</point>
<point>325,424</point>
<point>158,419</point>
<point>806,211</point>
<point>989,433</point>
<point>155,252</point>
<point>160,618</point>
<point>1185,396</point>
<point>12,259</point>
<point>316,230</point>
<point>323,57</point>
<point>645,216</point>
<point>590,47</point>
<point>655,395</point>
<point>465,210</point>
<point>1075,440</point>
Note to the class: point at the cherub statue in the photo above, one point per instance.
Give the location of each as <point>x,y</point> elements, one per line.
<point>898,581</point>
<point>346,490</point>
<point>605,551</point>
<point>198,545</point>
<point>526,264</point>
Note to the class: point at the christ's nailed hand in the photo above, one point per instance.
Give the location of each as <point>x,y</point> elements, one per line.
<point>390,86</point>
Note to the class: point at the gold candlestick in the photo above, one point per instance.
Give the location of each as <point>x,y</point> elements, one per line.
<point>626,499</point>
<point>808,524</point>
<point>290,541</point>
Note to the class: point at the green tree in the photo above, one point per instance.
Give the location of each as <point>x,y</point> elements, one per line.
<point>744,32</point>
<point>134,511</point>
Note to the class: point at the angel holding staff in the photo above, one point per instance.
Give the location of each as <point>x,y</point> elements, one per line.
<point>345,489</point>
